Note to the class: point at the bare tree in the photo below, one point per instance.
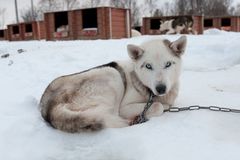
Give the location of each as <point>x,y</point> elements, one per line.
<point>236,10</point>
<point>151,6</point>
<point>158,13</point>
<point>2,17</point>
<point>49,5</point>
<point>96,3</point>
<point>206,7</point>
<point>216,7</point>
<point>183,7</point>
<point>31,15</point>
<point>91,3</point>
<point>168,9</point>
<point>199,7</point>
<point>135,11</point>
<point>34,14</point>
<point>70,4</point>
<point>117,3</point>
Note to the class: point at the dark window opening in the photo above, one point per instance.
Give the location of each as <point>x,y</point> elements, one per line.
<point>155,24</point>
<point>61,20</point>
<point>208,22</point>
<point>28,28</point>
<point>15,29</point>
<point>138,28</point>
<point>225,22</point>
<point>1,33</point>
<point>89,18</point>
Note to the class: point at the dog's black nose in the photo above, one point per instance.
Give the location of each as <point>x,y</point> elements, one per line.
<point>161,89</point>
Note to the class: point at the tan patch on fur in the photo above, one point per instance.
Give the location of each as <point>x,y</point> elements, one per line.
<point>138,85</point>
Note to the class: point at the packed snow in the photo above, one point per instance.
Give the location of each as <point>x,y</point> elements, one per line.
<point>210,76</point>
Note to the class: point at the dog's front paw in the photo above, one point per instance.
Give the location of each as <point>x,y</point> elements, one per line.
<point>155,110</point>
<point>137,120</point>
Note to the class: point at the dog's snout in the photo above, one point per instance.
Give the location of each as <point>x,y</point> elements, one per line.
<point>161,89</point>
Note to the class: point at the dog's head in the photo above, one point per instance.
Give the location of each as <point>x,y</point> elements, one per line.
<point>158,63</point>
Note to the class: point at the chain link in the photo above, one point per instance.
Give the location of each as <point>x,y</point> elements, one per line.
<point>197,107</point>
<point>142,117</point>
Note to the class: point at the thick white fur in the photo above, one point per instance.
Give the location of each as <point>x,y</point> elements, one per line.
<point>135,33</point>
<point>98,96</point>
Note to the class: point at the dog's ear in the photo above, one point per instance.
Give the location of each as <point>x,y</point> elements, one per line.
<point>134,52</point>
<point>178,47</point>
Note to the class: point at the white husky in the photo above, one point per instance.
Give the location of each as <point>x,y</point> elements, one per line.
<point>112,95</point>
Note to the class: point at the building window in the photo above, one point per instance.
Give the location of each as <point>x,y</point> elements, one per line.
<point>89,18</point>
<point>154,23</point>
<point>28,28</point>
<point>225,22</point>
<point>61,20</point>
<point>15,29</point>
<point>208,22</point>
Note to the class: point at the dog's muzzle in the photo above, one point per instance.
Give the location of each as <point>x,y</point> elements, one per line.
<point>161,89</point>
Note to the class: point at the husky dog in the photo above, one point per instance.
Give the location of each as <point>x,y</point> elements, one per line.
<point>177,25</point>
<point>112,95</point>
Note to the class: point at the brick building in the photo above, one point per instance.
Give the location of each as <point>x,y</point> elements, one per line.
<point>26,31</point>
<point>89,23</point>
<point>228,23</point>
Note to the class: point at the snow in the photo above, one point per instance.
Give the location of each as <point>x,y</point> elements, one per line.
<point>210,76</point>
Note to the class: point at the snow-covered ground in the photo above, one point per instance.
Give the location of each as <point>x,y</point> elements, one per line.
<point>210,76</point>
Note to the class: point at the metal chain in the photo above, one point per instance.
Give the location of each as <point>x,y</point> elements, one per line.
<point>142,117</point>
<point>197,107</point>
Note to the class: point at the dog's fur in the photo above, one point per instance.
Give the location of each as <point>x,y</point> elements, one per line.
<point>177,25</point>
<point>135,33</point>
<point>112,95</point>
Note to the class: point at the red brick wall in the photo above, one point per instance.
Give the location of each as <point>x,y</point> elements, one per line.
<point>38,30</point>
<point>41,30</point>
<point>217,23</point>
<point>76,24</point>
<point>6,34</point>
<point>104,29</point>
<point>71,23</point>
<point>198,24</point>
<point>235,24</point>
<point>145,26</point>
<point>238,24</point>
<point>49,25</point>
<point>119,29</point>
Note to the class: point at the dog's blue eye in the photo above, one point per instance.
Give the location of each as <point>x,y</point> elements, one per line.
<point>168,64</point>
<point>148,66</point>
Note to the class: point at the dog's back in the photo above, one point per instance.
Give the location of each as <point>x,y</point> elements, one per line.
<point>81,101</point>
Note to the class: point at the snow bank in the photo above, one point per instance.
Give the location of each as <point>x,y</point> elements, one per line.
<point>214,31</point>
<point>210,77</point>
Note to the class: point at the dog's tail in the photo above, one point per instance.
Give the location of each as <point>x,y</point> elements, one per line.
<point>62,118</point>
